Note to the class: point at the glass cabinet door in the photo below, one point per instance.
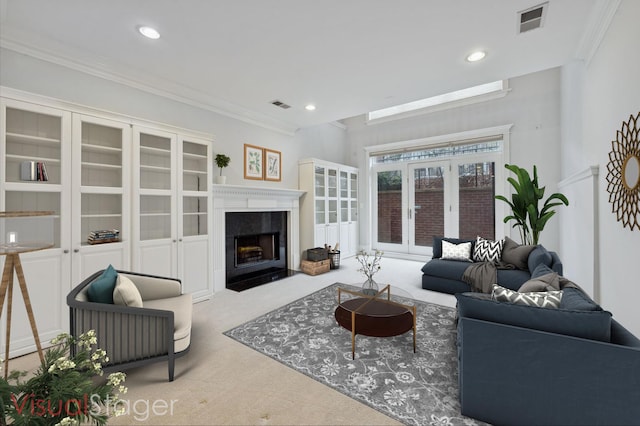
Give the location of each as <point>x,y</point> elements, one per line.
<point>195,183</point>
<point>344,185</point>
<point>320,212</point>
<point>332,183</point>
<point>156,188</point>
<point>319,181</point>
<point>33,153</point>
<point>33,147</point>
<point>102,173</point>
<point>344,210</point>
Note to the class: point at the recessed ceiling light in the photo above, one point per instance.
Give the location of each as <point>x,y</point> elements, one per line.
<point>149,32</point>
<point>476,56</point>
<point>310,107</point>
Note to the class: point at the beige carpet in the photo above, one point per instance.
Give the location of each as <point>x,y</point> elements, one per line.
<point>222,381</point>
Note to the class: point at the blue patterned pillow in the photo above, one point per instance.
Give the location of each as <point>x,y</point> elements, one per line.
<point>487,250</point>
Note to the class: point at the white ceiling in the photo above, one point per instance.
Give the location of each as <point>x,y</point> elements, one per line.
<point>346,56</point>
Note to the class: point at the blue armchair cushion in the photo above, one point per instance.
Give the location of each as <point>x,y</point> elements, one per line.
<point>539,255</point>
<point>101,289</point>
<point>575,299</point>
<point>445,269</point>
<point>595,325</point>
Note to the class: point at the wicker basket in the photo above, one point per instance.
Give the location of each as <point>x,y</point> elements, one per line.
<point>310,267</point>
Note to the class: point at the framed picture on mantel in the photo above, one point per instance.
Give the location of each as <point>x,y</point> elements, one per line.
<point>253,162</point>
<point>272,165</point>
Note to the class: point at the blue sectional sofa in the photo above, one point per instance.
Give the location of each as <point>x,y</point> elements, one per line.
<point>445,276</point>
<point>518,364</point>
<point>525,365</point>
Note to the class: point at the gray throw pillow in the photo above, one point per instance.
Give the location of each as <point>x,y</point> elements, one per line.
<point>547,282</point>
<point>516,254</point>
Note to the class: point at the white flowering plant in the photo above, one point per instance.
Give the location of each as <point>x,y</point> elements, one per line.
<point>369,262</point>
<point>67,388</point>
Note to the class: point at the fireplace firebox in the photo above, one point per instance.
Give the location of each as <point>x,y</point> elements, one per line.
<point>256,248</point>
<point>253,249</point>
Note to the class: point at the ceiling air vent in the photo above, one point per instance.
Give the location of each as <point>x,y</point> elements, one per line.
<point>280,104</point>
<point>532,18</point>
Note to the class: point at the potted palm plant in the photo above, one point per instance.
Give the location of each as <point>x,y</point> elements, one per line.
<point>222,161</point>
<point>525,210</point>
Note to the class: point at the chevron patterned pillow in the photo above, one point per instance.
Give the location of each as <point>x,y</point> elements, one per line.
<point>543,299</point>
<point>487,250</point>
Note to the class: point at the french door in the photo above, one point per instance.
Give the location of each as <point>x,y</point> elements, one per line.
<point>413,202</point>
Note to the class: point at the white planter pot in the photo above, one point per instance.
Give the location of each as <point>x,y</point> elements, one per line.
<point>221,180</point>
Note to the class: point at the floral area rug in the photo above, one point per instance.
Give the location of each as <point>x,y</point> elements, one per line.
<point>416,389</point>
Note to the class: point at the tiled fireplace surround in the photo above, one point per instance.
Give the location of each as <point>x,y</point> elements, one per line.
<point>236,198</point>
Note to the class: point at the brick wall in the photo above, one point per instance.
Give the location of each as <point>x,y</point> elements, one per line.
<point>477,210</point>
<point>390,217</point>
<point>429,219</point>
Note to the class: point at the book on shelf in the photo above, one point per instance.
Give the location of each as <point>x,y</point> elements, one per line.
<point>103,236</point>
<point>33,171</point>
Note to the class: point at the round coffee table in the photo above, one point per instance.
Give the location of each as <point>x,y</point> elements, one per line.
<point>389,312</point>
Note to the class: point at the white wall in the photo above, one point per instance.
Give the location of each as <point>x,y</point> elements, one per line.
<point>609,94</point>
<point>532,106</point>
<point>44,78</point>
<point>327,142</point>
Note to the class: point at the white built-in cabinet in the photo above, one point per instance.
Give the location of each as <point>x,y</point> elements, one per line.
<point>329,209</point>
<point>172,208</point>
<point>87,168</point>
<point>37,133</point>
<point>103,173</point>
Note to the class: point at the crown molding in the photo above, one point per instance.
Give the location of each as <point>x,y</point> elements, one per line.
<point>22,96</point>
<point>153,86</point>
<point>600,21</point>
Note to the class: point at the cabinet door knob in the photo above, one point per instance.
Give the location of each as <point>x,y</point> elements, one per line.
<point>174,241</point>
<point>76,250</point>
<point>65,251</point>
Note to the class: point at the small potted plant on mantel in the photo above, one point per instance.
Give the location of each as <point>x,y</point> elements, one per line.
<point>222,161</point>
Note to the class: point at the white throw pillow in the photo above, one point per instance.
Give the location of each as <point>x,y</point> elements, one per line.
<point>461,251</point>
<point>126,293</point>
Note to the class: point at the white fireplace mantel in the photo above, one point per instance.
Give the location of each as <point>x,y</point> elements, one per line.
<point>239,198</point>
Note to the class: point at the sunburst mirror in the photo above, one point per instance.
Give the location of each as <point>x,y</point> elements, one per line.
<point>623,174</point>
